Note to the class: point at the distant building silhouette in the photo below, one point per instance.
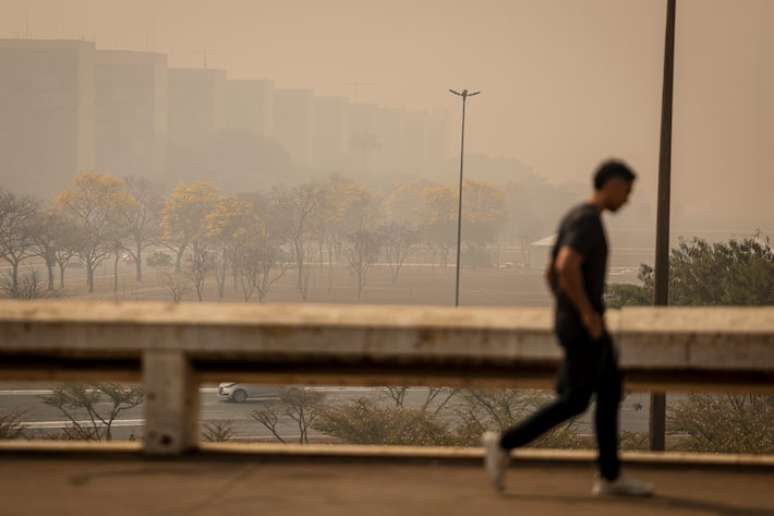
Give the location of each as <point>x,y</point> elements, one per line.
<point>131,113</point>
<point>47,113</point>
<point>68,108</point>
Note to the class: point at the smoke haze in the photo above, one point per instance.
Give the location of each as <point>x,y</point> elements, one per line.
<point>565,83</point>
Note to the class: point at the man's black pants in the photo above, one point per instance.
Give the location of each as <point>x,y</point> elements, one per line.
<point>590,367</point>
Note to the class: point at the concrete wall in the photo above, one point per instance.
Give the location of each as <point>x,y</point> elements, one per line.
<point>486,343</point>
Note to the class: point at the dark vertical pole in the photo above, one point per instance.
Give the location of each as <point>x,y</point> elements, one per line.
<point>459,209</point>
<point>661,298</point>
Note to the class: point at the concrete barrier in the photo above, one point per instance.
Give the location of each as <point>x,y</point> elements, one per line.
<point>173,347</point>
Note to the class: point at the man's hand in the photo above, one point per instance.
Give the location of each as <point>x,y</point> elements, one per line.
<point>594,324</point>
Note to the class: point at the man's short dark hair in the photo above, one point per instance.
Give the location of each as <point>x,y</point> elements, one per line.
<point>613,169</point>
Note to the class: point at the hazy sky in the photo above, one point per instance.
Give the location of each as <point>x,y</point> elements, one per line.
<point>565,83</point>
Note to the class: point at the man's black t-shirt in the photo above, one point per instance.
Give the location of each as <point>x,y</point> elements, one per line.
<point>582,230</point>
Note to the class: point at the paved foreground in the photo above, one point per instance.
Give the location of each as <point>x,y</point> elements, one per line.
<point>238,485</point>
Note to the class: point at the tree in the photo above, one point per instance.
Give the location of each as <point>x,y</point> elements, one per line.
<point>321,227</point>
<point>184,216</point>
<point>144,220</point>
<point>159,260</point>
<point>361,249</point>
<point>732,273</point>
<point>483,217</point>
<point>96,205</point>
<point>440,221</point>
<point>398,395</point>
<point>46,236</point>
<point>363,421</point>
<point>202,262</point>
<point>724,424</point>
<point>482,410</point>
<point>218,431</point>
<point>356,207</point>
<point>736,272</point>
<point>230,227</point>
<point>398,241</point>
<point>65,246</point>
<point>98,404</point>
<point>238,231</point>
<point>26,287</point>
<point>619,295</point>
<point>299,205</point>
<point>177,284</point>
<point>11,426</point>
<point>404,204</point>
<point>301,405</point>
<point>354,226</point>
<point>259,264</point>
<point>17,216</point>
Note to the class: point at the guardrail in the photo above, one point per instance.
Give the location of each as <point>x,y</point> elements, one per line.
<point>171,348</point>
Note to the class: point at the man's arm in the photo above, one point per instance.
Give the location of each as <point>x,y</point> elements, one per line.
<point>568,267</point>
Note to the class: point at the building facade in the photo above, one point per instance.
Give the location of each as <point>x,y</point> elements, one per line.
<point>47,101</point>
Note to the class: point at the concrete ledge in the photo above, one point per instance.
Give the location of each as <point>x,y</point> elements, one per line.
<point>477,454</point>
<point>65,447</point>
<point>314,452</point>
<point>486,342</point>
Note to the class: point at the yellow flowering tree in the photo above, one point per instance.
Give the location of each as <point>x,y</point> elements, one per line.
<point>96,205</point>
<point>184,218</point>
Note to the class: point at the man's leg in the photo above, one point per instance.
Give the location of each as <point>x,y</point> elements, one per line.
<point>575,387</point>
<point>608,405</point>
<point>611,481</point>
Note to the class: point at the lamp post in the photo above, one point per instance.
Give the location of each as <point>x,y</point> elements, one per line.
<point>464,94</point>
<point>657,399</point>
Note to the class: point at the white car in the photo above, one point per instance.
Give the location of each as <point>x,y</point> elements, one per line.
<point>241,392</point>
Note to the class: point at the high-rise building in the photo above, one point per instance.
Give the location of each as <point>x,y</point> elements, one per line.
<point>46,113</point>
<point>329,138</point>
<point>413,141</point>
<point>388,126</point>
<point>131,113</point>
<point>249,106</point>
<point>437,140</point>
<point>363,141</point>
<point>293,121</point>
<point>195,120</point>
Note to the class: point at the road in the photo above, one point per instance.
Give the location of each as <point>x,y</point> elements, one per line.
<point>42,420</point>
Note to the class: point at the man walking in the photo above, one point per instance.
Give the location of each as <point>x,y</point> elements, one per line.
<point>576,276</point>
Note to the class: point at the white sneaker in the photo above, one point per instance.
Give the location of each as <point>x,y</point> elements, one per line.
<point>622,486</point>
<point>496,459</point>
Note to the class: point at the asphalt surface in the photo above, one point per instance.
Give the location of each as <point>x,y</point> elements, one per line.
<point>32,486</point>
<point>42,420</point>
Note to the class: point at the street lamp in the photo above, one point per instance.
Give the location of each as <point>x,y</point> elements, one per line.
<point>661,297</point>
<point>464,94</point>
